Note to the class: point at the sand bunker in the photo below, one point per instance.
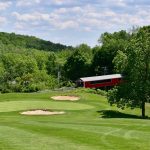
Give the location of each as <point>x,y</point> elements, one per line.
<point>64,98</point>
<point>42,112</point>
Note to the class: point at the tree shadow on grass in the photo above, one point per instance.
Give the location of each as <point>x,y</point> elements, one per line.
<point>117,114</point>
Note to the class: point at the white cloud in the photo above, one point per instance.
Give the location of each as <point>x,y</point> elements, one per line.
<point>88,29</point>
<point>27,2</point>
<point>64,10</point>
<point>110,3</point>
<point>59,2</point>
<point>62,2</point>
<point>39,18</point>
<point>65,24</point>
<point>121,3</point>
<point>87,17</point>
<point>19,25</point>
<point>74,16</point>
<point>5,5</point>
<point>3,20</point>
<point>31,17</point>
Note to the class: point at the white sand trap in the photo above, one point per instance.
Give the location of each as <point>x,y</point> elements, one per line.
<point>64,98</point>
<point>42,112</point>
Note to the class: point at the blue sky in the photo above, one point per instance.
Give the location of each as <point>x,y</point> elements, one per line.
<point>72,22</point>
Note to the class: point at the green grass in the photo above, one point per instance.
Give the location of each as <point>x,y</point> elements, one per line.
<point>25,105</point>
<point>89,124</point>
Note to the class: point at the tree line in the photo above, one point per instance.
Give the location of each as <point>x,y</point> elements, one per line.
<point>127,53</point>
<point>24,41</point>
<point>29,64</point>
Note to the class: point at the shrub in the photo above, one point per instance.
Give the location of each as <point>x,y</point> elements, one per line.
<point>101,92</point>
<point>94,91</point>
<point>5,90</point>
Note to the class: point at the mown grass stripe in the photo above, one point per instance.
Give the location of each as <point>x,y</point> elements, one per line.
<point>25,105</point>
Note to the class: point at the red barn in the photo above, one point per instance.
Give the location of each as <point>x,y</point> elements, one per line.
<point>100,81</point>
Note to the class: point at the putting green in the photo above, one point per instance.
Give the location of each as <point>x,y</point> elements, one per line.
<point>25,105</point>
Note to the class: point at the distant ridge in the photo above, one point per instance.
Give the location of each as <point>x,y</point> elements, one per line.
<point>26,41</point>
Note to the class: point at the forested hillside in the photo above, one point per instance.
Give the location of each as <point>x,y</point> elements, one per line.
<point>29,64</point>
<point>29,42</point>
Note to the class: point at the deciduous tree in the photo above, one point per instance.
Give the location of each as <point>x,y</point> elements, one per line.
<point>135,63</point>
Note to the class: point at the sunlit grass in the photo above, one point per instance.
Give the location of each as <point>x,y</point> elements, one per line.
<point>89,124</point>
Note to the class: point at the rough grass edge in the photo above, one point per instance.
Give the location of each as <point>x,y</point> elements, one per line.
<point>92,91</point>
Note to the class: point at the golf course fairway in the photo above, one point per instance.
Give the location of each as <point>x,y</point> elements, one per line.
<point>88,124</point>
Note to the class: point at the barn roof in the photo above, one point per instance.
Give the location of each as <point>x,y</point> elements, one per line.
<point>104,77</point>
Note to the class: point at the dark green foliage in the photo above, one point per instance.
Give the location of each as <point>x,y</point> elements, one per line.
<point>102,62</point>
<point>29,42</point>
<point>114,37</point>
<point>93,91</point>
<point>78,64</point>
<point>62,56</point>
<point>75,66</point>
<point>51,64</point>
<point>27,71</point>
<point>135,91</point>
<point>17,65</point>
<point>23,68</point>
<point>104,54</point>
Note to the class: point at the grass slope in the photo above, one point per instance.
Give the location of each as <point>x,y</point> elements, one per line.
<point>89,124</point>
